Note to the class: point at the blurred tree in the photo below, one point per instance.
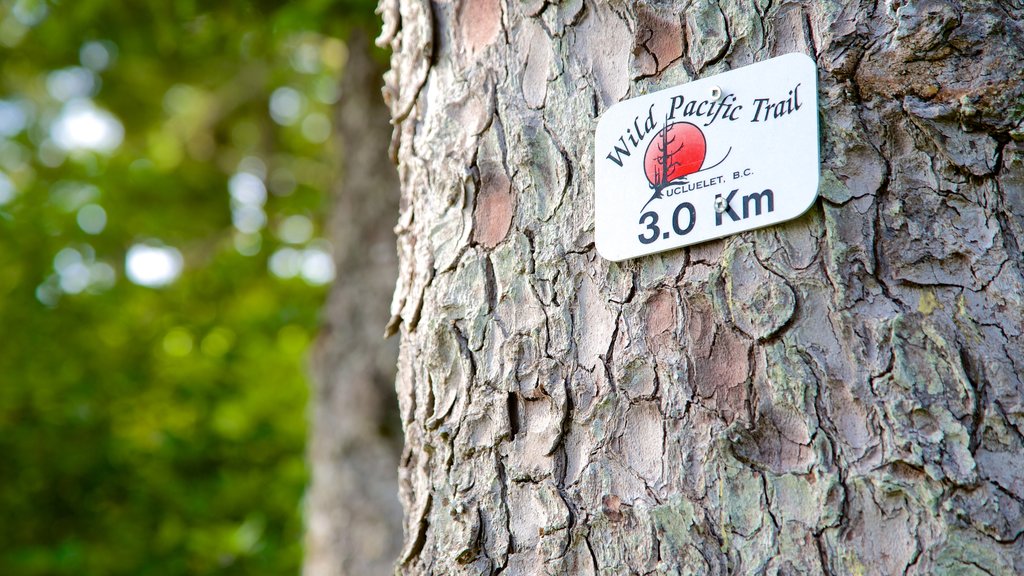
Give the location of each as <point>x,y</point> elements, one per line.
<point>354,519</point>
<point>162,174</point>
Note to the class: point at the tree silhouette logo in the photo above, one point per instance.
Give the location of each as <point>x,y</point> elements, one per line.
<point>675,152</point>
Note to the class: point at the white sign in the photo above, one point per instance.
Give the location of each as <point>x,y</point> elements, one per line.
<point>714,157</point>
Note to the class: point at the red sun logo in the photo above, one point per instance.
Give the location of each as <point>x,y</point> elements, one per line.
<point>677,151</point>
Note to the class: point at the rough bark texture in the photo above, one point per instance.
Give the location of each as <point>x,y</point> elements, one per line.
<point>353,513</point>
<point>841,394</point>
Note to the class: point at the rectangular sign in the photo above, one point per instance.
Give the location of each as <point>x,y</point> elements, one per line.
<point>715,157</point>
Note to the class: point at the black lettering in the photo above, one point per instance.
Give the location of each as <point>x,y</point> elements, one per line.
<point>757,113</point>
<point>652,226</point>
<point>728,209</point>
<point>756,199</point>
<point>718,109</point>
<point>691,219</point>
<point>618,153</point>
<point>632,139</point>
<point>677,101</point>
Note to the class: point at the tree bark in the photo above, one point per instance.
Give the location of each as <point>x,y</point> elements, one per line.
<point>841,394</point>
<point>353,513</point>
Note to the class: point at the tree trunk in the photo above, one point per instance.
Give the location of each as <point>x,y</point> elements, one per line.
<point>353,514</point>
<point>841,394</point>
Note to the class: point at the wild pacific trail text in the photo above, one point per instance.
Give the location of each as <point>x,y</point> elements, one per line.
<point>710,111</point>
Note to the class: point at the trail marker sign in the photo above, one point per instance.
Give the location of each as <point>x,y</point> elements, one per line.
<point>707,159</point>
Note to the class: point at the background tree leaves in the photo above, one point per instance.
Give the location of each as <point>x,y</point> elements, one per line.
<point>160,430</point>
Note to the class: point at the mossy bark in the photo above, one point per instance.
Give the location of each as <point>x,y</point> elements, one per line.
<point>841,394</point>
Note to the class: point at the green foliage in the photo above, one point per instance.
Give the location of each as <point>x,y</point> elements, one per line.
<point>160,429</point>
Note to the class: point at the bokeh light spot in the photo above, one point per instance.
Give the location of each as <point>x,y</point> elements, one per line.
<point>286,263</point>
<point>248,244</point>
<point>286,105</point>
<point>74,268</point>
<point>334,53</point>
<point>101,277</point>
<point>231,420</point>
<point>317,266</point>
<point>218,342</point>
<point>13,156</point>
<point>7,190</point>
<point>70,195</point>
<point>96,55</point>
<point>248,219</point>
<point>50,154</point>
<point>83,126</point>
<point>66,258</point>
<point>68,83</point>
<point>296,229</point>
<point>316,128</point>
<point>292,339</point>
<point>246,188</point>
<point>153,266</point>
<point>184,100</point>
<point>177,342</point>
<point>48,293</point>
<point>92,218</point>
<point>76,271</point>
<point>282,182</point>
<point>29,12</point>
<point>326,90</point>
<point>253,165</point>
<point>306,58</point>
<point>14,117</point>
<point>74,278</point>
